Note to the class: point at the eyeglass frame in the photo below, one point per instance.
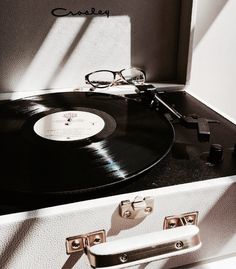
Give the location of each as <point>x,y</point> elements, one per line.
<point>114,74</point>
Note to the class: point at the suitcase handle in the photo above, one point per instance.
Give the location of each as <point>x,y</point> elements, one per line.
<point>144,248</point>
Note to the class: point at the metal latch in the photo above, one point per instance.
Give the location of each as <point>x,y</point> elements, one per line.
<point>139,208</point>
<point>180,220</point>
<point>80,242</point>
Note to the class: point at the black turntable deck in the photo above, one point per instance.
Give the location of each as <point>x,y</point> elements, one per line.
<point>149,164</point>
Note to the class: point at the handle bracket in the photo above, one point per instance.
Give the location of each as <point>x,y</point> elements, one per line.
<point>174,221</point>
<point>81,242</point>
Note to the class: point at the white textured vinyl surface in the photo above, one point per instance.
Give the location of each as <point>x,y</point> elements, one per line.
<point>226,263</point>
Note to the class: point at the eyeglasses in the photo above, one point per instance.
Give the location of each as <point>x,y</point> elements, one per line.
<point>107,78</point>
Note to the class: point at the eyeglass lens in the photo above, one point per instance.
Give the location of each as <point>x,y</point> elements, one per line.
<point>133,76</point>
<point>101,79</point>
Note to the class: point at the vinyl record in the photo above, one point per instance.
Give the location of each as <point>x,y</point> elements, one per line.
<point>76,142</point>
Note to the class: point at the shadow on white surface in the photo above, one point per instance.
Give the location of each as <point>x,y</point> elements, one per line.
<point>19,237</point>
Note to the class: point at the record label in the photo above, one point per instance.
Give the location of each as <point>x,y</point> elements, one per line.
<point>69,125</point>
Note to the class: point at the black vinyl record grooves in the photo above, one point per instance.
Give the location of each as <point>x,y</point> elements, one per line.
<point>110,140</point>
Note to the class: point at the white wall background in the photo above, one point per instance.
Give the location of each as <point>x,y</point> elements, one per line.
<point>213,72</point>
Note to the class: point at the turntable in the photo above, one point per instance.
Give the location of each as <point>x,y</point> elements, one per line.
<point>127,175</point>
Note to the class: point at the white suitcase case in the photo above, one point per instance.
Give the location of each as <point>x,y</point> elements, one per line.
<point>37,239</point>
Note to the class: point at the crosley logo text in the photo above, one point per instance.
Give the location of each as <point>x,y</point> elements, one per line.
<point>63,12</point>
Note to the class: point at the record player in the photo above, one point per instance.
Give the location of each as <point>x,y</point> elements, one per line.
<point>128,175</point>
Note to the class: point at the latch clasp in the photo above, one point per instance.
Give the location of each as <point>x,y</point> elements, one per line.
<point>139,208</point>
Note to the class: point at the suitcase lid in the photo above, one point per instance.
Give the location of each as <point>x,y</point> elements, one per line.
<point>53,45</point>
